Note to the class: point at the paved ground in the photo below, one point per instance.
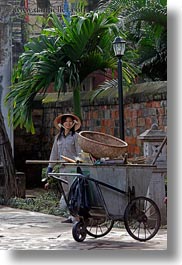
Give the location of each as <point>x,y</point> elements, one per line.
<point>25,230</point>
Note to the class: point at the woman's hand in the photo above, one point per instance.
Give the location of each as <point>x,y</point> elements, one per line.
<point>46,186</point>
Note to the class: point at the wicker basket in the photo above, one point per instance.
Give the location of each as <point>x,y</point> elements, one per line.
<point>101,145</point>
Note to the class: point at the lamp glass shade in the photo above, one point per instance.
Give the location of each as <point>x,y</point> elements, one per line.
<point>119,46</point>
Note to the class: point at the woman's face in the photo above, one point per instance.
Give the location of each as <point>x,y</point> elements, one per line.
<point>68,124</point>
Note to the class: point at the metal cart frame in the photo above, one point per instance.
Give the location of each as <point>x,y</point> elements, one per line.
<point>141,216</point>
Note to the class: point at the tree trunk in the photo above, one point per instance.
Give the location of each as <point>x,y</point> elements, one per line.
<point>8,174</point>
<point>76,102</point>
<point>7,163</point>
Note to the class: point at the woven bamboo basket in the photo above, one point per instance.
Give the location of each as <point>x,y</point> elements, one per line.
<point>101,145</point>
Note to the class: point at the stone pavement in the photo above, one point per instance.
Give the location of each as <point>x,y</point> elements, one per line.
<point>25,230</point>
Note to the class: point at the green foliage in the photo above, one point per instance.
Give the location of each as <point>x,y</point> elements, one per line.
<point>47,203</point>
<point>145,24</point>
<point>64,54</point>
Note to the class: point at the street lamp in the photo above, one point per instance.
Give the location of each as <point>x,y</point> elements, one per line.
<point>119,48</point>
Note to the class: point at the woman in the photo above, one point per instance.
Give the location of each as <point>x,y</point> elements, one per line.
<point>65,144</point>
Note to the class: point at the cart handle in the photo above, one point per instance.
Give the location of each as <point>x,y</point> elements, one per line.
<point>66,174</point>
<point>81,175</point>
<point>56,177</point>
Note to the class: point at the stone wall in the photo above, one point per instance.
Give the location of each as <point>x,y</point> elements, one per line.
<point>144,105</point>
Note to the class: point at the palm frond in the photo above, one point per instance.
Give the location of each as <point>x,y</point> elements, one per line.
<point>149,15</point>
<point>64,54</point>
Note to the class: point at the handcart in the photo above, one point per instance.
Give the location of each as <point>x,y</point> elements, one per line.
<point>103,203</point>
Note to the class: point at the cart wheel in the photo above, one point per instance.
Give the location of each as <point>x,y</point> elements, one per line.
<point>79,231</point>
<point>99,227</point>
<point>142,218</point>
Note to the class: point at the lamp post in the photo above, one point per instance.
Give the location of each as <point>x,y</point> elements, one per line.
<point>119,48</point>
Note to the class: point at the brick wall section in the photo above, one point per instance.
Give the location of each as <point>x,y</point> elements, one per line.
<point>140,117</point>
<point>144,105</point>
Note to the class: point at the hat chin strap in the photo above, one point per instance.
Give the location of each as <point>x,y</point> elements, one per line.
<point>60,125</point>
<point>74,122</point>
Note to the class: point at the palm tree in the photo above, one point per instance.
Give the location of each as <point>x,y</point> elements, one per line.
<point>64,54</point>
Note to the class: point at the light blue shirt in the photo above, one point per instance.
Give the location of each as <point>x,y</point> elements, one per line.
<point>66,146</point>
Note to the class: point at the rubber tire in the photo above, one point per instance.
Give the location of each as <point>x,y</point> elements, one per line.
<point>79,231</point>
